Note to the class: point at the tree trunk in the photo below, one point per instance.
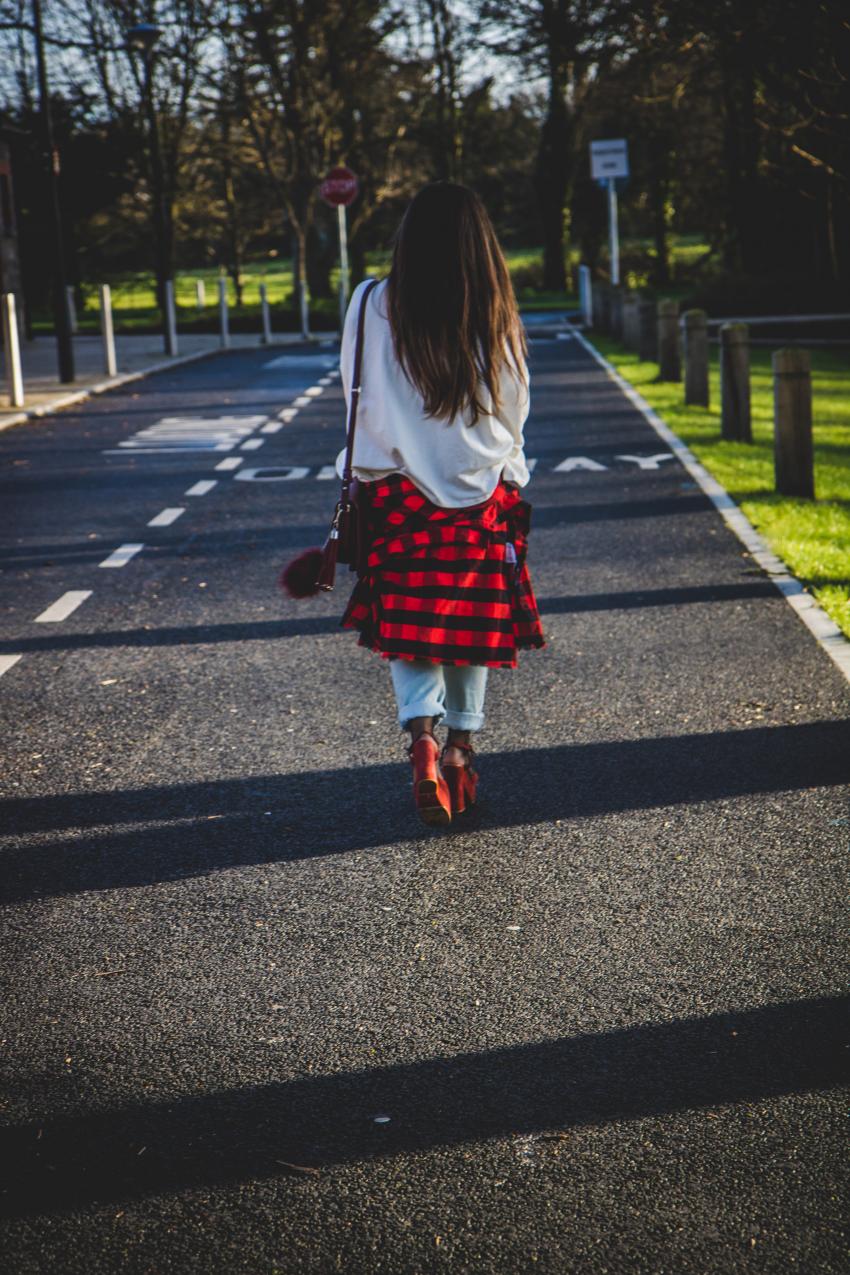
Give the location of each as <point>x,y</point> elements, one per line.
<point>551,182</point>
<point>356,260</point>
<point>658,190</point>
<point>322,252</point>
<point>232,247</point>
<point>741,249</point>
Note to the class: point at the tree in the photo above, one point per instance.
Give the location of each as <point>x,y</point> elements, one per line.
<point>567,43</point>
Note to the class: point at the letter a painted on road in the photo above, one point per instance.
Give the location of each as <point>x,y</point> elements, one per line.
<point>577,462</point>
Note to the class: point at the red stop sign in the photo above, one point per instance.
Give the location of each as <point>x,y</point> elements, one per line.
<point>339,187</point>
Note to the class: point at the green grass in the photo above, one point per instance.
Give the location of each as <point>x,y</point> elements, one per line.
<point>134,308</point>
<point>811,536</point>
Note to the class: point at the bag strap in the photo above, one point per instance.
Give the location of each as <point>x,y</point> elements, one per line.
<point>355,389</point>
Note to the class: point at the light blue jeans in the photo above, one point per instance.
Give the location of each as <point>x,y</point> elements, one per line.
<point>453,693</point>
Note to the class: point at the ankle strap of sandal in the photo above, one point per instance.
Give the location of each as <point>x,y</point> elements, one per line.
<point>426,734</point>
<point>464,748</point>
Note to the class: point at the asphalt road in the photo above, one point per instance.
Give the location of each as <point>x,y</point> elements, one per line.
<point>258,1019</point>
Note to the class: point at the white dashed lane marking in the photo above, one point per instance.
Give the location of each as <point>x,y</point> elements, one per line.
<point>201,488</point>
<point>62,607</point>
<point>313,391</point>
<point>166,517</point>
<point>301,401</point>
<point>6,662</point>
<point>121,556</point>
<point>327,471</point>
<point>251,444</point>
<point>272,427</point>
<point>231,462</point>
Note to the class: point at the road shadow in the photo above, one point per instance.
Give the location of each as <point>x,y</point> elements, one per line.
<point>63,844</point>
<point>315,625</point>
<point>536,1092</point>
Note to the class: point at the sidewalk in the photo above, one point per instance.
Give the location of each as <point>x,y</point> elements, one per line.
<point>136,355</point>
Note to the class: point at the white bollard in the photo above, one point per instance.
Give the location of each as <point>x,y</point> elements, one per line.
<point>12,349</point>
<point>200,293</point>
<point>343,266</point>
<point>106,331</point>
<point>267,322</point>
<point>585,293</point>
<point>222,314</point>
<point>170,319</point>
<point>71,308</point>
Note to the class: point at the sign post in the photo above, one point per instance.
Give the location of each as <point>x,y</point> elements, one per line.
<point>609,160</point>
<point>339,189</point>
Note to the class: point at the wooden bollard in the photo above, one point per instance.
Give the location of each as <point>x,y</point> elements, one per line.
<point>596,306</point>
<point>616,322</point>
<point>793,457</point>
<point>631,312</point>
<point>603,291</point>
<point>669,365</point>
<point>647,332</point>
<point>695,349</point>
<point>735,419</point>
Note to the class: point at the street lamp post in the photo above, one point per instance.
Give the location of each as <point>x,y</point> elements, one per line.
<point>61,318</point>
<point>143,38</point>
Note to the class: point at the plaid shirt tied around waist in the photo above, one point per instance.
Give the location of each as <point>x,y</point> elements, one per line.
<point>446,585</point>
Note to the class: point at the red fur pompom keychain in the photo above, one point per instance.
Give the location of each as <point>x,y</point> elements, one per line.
<point>300,577</point>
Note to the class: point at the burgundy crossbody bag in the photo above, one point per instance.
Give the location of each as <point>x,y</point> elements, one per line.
<point>347,541</point>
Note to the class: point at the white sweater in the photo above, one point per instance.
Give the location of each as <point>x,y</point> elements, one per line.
<point>453,464</point>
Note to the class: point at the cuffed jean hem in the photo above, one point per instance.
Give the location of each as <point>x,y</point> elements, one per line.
<point>452,694</point>
<point>422,708</point>
<point>463,721</point>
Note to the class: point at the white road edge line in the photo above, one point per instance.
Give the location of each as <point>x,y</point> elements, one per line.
<point>166,517</point>
<point>6,662</point>
<point>62,607</point>
<point>121,556</point>
<point>825,631</point>
<point>201,488</point>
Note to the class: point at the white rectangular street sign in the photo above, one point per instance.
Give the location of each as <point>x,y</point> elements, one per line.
<point>609,158</point>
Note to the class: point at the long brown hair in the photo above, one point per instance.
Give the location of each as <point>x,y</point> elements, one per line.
<point>451,304</point>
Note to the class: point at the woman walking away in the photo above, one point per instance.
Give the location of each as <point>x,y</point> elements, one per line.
<point>445,594</point>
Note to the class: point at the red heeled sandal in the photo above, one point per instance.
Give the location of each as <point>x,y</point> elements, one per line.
<point>462,781</point>
<point>430,790</point>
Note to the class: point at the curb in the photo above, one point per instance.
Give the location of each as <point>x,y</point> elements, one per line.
<point>826,632</point>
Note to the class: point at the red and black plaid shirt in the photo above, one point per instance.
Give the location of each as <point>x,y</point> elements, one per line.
<point>440,584</point>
